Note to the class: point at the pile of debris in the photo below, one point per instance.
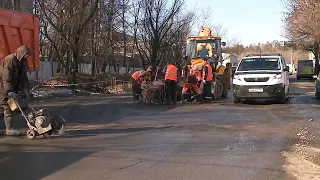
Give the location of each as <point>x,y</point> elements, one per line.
<point>61,85</point>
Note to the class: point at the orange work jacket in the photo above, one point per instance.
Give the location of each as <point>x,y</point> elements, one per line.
<point>209,75</point>
<point>136,74</point>
<point>171,73</point>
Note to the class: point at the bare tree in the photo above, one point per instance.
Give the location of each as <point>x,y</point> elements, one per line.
<point>69,19</point>
<point>154,20</point>
<point>303,24</point>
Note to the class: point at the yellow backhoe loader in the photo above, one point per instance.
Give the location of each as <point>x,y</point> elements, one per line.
<point>205,45</point>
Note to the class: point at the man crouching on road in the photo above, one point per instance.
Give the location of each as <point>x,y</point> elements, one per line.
<point>13,79</point>
<point>191,82</point>
<point>136,80</point>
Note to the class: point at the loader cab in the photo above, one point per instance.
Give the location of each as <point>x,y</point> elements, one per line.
<point>199,49</point>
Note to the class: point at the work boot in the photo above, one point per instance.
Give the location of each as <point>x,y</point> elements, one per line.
<point>10,131</point>
<point>13,132</point>
<point>199,98</point>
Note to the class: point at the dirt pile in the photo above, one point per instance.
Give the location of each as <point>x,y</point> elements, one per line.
<point>61,79</point>
<point>110,83</point>
<point>113,76</point>
<point>303,158</point>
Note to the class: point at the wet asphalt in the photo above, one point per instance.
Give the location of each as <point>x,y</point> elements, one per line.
<point>109,137</point>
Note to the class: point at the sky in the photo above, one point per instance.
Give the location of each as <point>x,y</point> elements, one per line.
<point>250,21</point>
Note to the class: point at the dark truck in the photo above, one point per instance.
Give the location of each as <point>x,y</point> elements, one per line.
<point>305,69</point>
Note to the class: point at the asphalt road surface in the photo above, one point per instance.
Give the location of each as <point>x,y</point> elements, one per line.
<point>109,137</point>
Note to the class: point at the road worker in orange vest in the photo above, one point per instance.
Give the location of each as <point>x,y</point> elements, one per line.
<point>171,78</point>
<point>207,77</point>
<point>136,79</point>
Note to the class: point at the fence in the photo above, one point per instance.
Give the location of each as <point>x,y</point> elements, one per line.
<point>48,69</point>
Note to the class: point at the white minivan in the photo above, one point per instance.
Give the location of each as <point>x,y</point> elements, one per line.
<point>262,76</point>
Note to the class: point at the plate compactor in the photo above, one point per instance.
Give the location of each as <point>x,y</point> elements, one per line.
<point>39,122</point>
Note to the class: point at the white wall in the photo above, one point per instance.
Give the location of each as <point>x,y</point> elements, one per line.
<point>311,55</point>
<point>48,69</point>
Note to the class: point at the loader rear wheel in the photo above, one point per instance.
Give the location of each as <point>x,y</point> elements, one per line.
<point>218,89</point>
<point>31,134</point>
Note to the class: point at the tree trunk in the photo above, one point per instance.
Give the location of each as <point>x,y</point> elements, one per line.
<point>59,68</point>
<point>92,48</point>
<point>67,70</point>
<point>316,54</point>
<point>124,36</point>
<point>104,66</point>
<point>154,55</point>
<point>75,53</point>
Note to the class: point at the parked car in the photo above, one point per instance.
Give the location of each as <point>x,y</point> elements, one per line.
<point>305,69</point>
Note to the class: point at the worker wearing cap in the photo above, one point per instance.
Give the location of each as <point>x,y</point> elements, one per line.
<point>171,78</point>
<point>147,74</point>
<point>13,80</point>
<point>207,79</point>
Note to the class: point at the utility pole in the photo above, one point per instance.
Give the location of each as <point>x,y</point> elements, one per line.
<point>292,55</point>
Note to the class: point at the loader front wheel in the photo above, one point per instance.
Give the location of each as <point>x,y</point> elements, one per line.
<point>218,89</point>
<point>31,134</point>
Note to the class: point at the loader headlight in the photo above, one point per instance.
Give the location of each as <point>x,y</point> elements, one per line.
<point>277,77</point>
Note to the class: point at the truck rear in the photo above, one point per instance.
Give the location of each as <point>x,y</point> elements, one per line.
<point>305,69</point>
<point>16,29</point>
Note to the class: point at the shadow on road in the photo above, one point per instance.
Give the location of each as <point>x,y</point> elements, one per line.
<point>94,132</point>
<point>36,165</point>
<point>102,113</point>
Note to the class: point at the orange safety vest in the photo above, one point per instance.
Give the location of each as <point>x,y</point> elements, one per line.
<point>136,74</point>
<point>210,75</point>
<point>196,73</point>
<point>171,73</point>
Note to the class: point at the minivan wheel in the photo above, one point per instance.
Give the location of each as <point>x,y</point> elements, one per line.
<point>236,100</point>
<point>282,98</point>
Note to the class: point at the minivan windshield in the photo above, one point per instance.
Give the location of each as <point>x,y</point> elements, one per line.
<point>256,64</point>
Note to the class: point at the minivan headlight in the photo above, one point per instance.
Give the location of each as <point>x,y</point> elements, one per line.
<point>237,77</point>
<point>277,77</point>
